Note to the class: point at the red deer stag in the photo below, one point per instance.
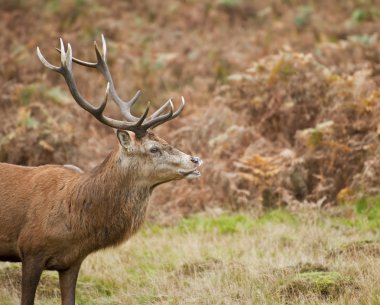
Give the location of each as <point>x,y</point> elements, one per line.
<point>52,217</point>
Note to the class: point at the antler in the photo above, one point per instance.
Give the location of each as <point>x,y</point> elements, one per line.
<point>138,125</point>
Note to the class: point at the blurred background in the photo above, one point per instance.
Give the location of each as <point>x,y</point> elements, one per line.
<point>283,105</point>
<point>282,98</point>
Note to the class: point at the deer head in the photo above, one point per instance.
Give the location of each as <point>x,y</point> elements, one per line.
<point>156,161</point>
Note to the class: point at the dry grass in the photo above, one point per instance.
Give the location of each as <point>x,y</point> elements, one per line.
<point>278,258</point>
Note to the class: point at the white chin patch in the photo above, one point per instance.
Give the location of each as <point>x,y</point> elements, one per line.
<point>193,175</point>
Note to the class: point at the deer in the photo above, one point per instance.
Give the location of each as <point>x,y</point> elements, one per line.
<point>53,216</point>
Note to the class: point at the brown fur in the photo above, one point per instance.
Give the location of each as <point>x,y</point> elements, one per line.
<point>52,217</point>
<point>89,211</point>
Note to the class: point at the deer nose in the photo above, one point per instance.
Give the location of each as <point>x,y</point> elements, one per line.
<point>196,160</point>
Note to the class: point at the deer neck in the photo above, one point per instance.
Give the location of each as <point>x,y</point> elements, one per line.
<point>112,201</point>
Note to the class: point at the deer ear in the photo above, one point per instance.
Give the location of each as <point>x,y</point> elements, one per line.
<point>124,138</point>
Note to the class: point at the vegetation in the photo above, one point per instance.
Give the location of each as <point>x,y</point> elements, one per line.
<point>303,257</point>
<point>273,91</point>
<point>282,105</point>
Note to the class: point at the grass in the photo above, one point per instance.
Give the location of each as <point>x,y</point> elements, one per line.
<point>281,257</point>
<point>365,214</point>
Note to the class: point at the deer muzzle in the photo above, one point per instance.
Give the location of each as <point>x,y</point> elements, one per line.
<point>194,172</point>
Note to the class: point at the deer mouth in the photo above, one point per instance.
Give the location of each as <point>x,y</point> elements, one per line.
<point>190,174</point>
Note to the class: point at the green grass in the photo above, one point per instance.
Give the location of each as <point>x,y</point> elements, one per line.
<point>365,214</point>
<point>280,257</point>
<point>230,224</point>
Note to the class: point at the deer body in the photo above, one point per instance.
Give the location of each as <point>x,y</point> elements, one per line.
<point>72,214</point>
<point>52,217</point>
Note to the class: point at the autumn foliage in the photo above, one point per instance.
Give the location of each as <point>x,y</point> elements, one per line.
<point>282,97</point>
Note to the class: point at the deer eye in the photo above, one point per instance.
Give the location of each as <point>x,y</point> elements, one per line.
<point>154,150</point>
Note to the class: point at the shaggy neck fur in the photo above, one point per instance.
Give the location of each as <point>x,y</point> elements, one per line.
<point>110,202</point>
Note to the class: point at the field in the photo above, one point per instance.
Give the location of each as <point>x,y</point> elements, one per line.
<point>279,257</point>
<point>283,106</point>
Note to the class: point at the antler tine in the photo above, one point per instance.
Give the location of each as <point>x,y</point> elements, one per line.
<point>125,107</point>
<point>104,48</point>
<point>97,52</point>
<point>104,103</point>
<point>179,110</point>
<point>63,52</point>
<point>45,62</point>
<point>161,119</point>
<point>66,71</point>
<point>138,125</point>
<point>160,110</point>
<point>102,66</point>
<point>143,117</point>
<point>81,62</point>
<point>175,114</point>
<point>97,112</point>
